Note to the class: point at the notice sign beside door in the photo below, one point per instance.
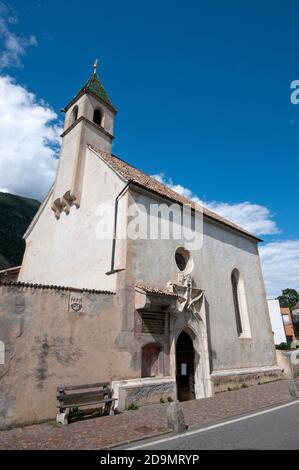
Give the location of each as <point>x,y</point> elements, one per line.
<point>183,368</point>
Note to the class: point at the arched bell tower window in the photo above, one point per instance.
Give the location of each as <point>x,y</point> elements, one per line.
<point>240,305</point>
<point>97,117</point>
<point>74,114</point>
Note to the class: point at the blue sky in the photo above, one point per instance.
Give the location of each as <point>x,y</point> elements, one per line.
<point>202,89</point>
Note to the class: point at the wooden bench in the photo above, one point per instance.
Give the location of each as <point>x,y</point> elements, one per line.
<point>78,396</point>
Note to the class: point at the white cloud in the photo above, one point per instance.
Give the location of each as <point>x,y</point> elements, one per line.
<point>255,218</point>
<point>13,46</point>
<point>29,136</point>
<point>280,262</point>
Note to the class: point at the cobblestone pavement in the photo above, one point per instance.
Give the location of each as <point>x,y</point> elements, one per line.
<point>148,421</point>
<point>227,404</point>
<point>95,433</point>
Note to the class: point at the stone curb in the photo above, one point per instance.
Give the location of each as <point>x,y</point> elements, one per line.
<point>137,440</point>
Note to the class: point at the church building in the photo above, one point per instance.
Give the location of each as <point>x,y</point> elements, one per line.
<point>102,296</point>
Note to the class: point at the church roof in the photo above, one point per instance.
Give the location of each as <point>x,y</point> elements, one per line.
<point>137,177</point>
<point>95,86</point>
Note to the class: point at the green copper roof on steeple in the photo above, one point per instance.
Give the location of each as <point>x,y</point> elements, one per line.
<point>94,86</point>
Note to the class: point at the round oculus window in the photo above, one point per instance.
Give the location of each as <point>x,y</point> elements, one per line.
<point>182,258</point>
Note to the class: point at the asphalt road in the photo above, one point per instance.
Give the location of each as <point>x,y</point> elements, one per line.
<point>275,428</point>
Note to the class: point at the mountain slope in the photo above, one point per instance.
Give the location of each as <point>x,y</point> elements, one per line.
<point>16,213</point>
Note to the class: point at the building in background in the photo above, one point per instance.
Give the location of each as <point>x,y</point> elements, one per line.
<point>277,321</point>
<point>295,318</point>
<point>10,274</point>
<point>288,324</point>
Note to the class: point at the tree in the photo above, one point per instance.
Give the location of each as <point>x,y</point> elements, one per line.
<point>289,298</point>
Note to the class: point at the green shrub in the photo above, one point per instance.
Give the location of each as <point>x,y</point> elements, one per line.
<point>283,346</point>
<point>162,400</point>
<point>76,413</point>
<point>96,413</point>
<point>133,406</point>
<point>169,399</point>
<point>244,385</point>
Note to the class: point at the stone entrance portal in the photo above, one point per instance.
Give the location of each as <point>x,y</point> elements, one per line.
<point>185,367</point>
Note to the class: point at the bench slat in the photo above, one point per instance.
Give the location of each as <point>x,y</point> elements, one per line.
<point>106,391</point>
<point>70,405</point>
<point>84,397</point>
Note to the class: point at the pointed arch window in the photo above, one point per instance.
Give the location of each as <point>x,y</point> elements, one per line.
<point>236,302</point>
<point>240,305</point>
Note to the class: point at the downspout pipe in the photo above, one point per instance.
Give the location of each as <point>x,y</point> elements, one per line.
<point>115,226</point>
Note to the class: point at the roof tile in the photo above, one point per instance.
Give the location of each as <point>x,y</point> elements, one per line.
<point>155,291</point>
<point>134,175</point>
<point>52,287</point>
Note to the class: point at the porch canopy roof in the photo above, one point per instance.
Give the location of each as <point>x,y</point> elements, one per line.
<point>149,298</point>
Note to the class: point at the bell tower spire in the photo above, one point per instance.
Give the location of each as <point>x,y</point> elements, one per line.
<point>89,120</point>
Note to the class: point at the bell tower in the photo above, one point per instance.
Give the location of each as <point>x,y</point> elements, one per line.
<point>89,120</point>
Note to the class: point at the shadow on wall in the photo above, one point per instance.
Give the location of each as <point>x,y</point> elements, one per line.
<point>212,353</point>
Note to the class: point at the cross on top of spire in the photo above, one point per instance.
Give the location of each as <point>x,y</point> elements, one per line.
<point>95,66</point>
